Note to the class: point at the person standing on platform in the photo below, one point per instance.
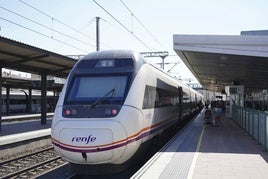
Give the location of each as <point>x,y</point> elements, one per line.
<point>217,112</point>
<point>208,116</point>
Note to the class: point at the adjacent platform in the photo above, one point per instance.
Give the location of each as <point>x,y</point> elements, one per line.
<point>21,125</point>
<point>208,152</point>
<point>20,136</point>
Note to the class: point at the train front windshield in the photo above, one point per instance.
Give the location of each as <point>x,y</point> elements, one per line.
<point>97,90</point>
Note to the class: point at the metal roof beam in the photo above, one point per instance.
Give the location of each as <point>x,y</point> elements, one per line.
<point>53,64</point>
<point>22,60</point>
<point>11,54</point>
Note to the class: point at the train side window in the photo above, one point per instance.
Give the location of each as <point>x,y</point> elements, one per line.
<point>157,98</point>
<point>146,99</point>
<point>151,98</point>
<point>186,98</point>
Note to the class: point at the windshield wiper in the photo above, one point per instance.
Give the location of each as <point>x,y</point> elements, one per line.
<point>103,98</point>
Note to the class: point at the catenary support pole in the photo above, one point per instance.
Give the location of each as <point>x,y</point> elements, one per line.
<point>97,34</point>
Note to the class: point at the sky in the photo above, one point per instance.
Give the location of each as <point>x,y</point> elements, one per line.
<point>68,27</point>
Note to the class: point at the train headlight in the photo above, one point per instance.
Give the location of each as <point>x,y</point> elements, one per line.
<point>114,111</point>
<point>111,112</point>
<point>69,112</point>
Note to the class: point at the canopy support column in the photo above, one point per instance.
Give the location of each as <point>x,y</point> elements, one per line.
<point>0,98</point>
<point>43,99</point>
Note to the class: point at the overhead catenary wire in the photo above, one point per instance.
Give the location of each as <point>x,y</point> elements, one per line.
<point>54,19</point>
<point>66,25</point>
<point>49,28</point>
<point>121,24</point>
<point>72,37</point>
<point>145,28</point>
<point>43,34</point>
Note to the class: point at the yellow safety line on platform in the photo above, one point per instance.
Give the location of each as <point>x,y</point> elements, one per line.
<point>191,171</point>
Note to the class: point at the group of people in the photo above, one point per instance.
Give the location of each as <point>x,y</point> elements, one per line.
<point>213,114</point>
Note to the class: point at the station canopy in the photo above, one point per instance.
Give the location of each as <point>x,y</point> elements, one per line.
<point>21,57</point>
<point>225,60</point>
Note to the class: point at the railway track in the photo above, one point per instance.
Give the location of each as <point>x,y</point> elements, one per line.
<point>31,165</point>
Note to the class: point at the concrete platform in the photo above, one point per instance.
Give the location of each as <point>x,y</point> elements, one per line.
<point>23,126</point>
<point>23,117</point>
<point>21,136</point>
<point>207,152</point>
<point>229,152</point>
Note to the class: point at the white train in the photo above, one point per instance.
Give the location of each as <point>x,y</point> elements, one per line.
<point>112,105</point>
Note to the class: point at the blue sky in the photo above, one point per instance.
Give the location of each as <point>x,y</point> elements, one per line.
<point>161,18</point>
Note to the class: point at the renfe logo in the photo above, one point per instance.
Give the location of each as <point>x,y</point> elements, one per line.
<point>87,140</point>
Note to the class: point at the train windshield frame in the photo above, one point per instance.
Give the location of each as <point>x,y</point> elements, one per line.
<point>102,89</point>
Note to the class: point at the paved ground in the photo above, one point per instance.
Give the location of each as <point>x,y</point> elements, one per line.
<point>229,152</point>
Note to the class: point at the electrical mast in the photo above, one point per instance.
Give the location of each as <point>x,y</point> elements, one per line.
<point>97,34</point>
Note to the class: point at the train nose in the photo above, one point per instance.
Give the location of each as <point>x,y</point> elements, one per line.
<point>91,142</point>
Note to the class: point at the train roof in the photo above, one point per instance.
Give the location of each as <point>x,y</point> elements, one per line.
<point>137,57</point>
